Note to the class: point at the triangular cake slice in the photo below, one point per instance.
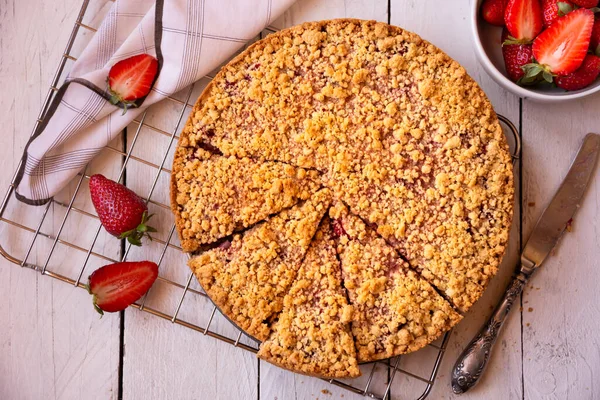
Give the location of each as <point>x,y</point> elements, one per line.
<point>395,310</point>
<point>248,277</point>
<point>312,334</point>
<point>213,196</point>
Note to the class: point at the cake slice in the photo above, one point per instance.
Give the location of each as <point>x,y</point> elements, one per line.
<point>448,239</point>
<point>312,334</point>
<point>248,277</point>
<point>395,310</point>
<point>214,196</point>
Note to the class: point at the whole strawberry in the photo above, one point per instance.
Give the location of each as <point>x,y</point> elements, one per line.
<point>122,212</point>
<point>116,286</point>
<point>131,79</point>
<point>583,77</point>
<point>515,57</point>
<point>586,3</point>
<point>554,9</point>
<point>493,11</point>
<point>595,39</point>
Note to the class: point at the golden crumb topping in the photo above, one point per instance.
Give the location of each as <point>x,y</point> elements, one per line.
<point>405,143</point>
<point>218,195</point>
<point>395,310</point>
<point>248,277</point>
<point>312,335</point>
<point>402,134</point>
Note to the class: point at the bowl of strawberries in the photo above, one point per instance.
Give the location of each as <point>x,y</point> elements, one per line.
<point>545,50</point>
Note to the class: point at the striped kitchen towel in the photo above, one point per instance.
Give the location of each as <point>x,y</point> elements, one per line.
<point>190,38</point>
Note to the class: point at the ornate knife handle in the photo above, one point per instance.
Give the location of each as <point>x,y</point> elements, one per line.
<point>472,362</point>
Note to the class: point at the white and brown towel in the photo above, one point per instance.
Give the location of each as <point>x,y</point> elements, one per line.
<point>189,38</point>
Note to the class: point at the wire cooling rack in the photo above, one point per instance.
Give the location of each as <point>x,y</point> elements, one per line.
<point>28,232</point>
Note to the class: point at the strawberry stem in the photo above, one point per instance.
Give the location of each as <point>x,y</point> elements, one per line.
<point>97,307</point>
<point>116,99</point>
<point>513,40</point>
<point>563,8</point>
<point>134,236</point>
<point>534,74</point>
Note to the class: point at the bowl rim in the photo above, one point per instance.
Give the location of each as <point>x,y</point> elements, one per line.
<point>502,80</point>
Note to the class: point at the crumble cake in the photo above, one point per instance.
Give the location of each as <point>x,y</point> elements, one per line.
<point>395,129</point>
<point>312,333</point>
<point>248,277</point>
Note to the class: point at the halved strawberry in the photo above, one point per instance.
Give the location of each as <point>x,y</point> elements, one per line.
<point>583,77</point>
<point>493,11</point>
<point>554,9</point>
<point>131,79</point>
<point>115,286</point>
<point>560,49</point>
<point>523,19</point>
<point>515,57</point>
<point>595,39</point>
<point>586,3</point>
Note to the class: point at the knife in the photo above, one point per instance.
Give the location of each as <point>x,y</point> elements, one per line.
<point>554,220</point>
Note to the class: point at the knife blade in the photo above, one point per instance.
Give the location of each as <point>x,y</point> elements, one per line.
<point>550,227</point>
<point>555,219</point>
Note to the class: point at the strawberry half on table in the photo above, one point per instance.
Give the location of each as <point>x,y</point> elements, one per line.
<point>131,79</point>
<point>122,212</point>
<point>116,286</point>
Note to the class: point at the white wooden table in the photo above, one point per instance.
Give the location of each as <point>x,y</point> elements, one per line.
<point>53,346</point>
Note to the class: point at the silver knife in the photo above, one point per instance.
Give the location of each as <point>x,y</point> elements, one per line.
<point>554,220</point>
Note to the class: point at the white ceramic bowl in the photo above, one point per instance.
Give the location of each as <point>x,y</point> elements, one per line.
<point>486,39</point>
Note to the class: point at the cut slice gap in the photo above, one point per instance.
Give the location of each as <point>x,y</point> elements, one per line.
<point>396,311</point>
<point>373,227</point>
<point>312,334</point>
<point>460,290</point>
<point>214,196</point>
<point>249,279</point>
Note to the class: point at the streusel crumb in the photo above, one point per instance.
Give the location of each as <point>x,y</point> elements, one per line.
<point>248,277</point>
<point>407,145</point>
<point>218,195</point>
<point>312,335</point>
<point>402,134</point>
<point>395,310</point>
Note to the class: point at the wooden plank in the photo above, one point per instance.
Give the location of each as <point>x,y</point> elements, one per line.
<point>276,383</point>
<point>53,343</point>
<point>560,310</point>
<point>445,24</point>
<point>182,363</point>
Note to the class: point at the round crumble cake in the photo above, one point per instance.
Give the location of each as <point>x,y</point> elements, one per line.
<point>346,191</point>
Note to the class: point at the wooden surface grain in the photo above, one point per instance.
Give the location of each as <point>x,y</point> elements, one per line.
<point>53,346</point>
